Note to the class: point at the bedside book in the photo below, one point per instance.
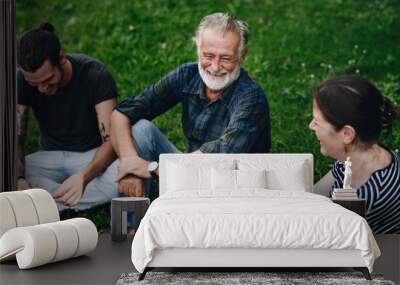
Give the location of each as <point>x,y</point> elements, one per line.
<point>345,194</point>
<point>347,191</point>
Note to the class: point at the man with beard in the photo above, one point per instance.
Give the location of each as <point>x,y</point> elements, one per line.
<point>223,109</point>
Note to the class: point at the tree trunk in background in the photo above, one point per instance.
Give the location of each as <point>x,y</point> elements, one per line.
<point>8,98</point>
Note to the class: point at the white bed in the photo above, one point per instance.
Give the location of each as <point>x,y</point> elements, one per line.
<point>247,210</point>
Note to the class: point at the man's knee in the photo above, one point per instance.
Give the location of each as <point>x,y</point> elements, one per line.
<point>32,165</point>
<point>142,126</point>
<point>142,132</point>
<point>45,183</point>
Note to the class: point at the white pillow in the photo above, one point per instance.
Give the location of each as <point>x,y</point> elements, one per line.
<point>251,178</point>
<point>293,179</point>
<point>188,175</point>
<point>190,171</point>
<point>182,177</point>
<point>280,175</point>
<point>225,179</point>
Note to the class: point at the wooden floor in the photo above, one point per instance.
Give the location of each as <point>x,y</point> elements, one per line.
<point>102,266</point>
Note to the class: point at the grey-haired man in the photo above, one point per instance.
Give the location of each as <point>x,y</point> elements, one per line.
<point>223,109</point>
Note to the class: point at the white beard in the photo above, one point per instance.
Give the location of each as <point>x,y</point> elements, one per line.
<point>216,83</point>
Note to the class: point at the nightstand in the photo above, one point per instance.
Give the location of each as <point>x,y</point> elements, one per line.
<point>119,215</point>
<point>355,205</point>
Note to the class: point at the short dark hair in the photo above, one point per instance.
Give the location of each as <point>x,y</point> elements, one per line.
<point>354,101</point>
<point>37,45</point>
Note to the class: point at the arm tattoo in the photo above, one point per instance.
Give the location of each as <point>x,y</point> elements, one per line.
<point>104,136</point>
<point>22,123</point>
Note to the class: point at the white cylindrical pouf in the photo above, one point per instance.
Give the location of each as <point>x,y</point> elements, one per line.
<point>40,244</point>
<point>23,208</point>
<point>87,235</point>
<point>7,218</point>
<point>33,246</point>
<point>45,205</point>
<point>67,239</point>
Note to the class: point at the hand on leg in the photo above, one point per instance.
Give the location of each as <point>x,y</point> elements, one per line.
<point>131,186</point>
<point>71,190</point>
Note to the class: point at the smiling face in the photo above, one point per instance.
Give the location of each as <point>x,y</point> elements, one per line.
<point>219,60</point>
<point>331,141</point>
<point>47,78</point>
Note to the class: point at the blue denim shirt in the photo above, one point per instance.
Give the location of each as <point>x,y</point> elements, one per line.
<point>236,122</point>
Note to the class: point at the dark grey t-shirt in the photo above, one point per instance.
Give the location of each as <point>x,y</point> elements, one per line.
<point>68,119</point>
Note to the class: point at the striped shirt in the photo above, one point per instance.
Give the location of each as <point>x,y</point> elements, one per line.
<point>381,193</point>
<point>237,121</point>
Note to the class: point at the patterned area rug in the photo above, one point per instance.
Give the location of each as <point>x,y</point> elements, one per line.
<point>269,278</point>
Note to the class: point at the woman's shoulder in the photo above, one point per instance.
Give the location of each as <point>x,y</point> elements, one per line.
<point>395,157</point>
<point>389,176</point>
<point>393,161</point>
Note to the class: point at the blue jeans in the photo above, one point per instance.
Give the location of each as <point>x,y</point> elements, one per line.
<point>149,143</point>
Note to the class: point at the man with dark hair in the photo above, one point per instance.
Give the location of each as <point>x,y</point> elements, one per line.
<point>72,97</point>
<point>223,109</point>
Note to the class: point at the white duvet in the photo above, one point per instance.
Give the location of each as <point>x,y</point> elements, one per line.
<point>250,218</point>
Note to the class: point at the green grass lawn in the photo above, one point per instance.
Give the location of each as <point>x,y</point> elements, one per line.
<point>293,46</point>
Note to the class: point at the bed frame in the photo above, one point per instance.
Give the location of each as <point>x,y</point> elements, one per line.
<point>242,259</point>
